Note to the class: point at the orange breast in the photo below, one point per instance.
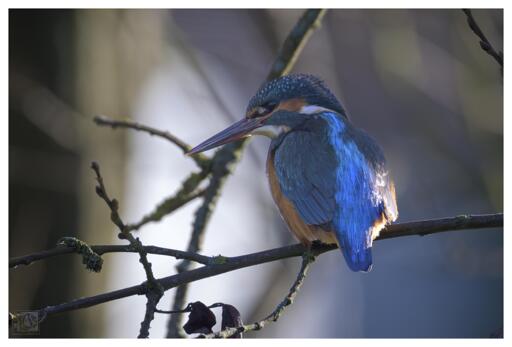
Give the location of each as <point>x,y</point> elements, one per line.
<point>303,232</point>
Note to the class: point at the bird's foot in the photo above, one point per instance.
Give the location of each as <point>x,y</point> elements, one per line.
<point>313,248</point>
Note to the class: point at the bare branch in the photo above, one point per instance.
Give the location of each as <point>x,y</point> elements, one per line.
<point>432,226</point>
<point>421,228</point>
<point>103,249</point>
<point>202,217</point>
<point>484,42</point>
<point>116,219</point>
<point>185,194</point>
<point>226,264</point>
<point>294,42</point>
<point>154,289</point>
<point>153,297</point>
<point>201,159</point>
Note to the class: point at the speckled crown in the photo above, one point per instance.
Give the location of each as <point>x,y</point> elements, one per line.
<point>302,86</point>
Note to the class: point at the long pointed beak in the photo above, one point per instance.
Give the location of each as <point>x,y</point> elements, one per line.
<point>234,132</point>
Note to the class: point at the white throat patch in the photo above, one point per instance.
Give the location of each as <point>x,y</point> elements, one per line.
<point>312,109</point>
<point>271,131</point>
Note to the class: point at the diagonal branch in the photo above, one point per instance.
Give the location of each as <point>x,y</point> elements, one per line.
<point>222,265</point>
<point>484,42</point>
<point>201,159</point>
<point>184,195</point>
<point>294,43</point>
<point>221,167</point>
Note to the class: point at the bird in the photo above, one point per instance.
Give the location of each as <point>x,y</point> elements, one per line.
<point>328,178</point>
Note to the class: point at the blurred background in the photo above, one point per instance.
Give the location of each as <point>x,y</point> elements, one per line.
<point>416,80</point>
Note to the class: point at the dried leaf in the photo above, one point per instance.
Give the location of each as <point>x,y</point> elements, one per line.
<point>231,319</point>
<point>200,320</point>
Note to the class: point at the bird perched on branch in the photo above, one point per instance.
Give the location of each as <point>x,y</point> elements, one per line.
<point>328,178</point>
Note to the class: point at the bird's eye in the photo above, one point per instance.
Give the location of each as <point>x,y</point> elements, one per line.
<point>270,106</point>
<point>262,110</point>
<point>265,109</point>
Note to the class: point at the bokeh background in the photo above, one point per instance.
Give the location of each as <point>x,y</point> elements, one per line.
<point>416,80</point>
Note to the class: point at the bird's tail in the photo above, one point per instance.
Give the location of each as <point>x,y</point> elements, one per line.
<point>358,260</point>
<point>356,250</point>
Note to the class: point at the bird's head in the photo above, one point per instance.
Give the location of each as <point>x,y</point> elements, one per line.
<point>278,107</point>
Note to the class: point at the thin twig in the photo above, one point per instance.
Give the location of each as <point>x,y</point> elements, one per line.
<point>294,43</point>
<point>103,249</point>
<point>227,264</point>
<point>484,42</point>
<point>154,289</point>
<point>164,208</point>
<point>432,226</point>
<point>185,194</point>
<point>201,159</point>
<point>225,158</point>
<point>307,259</point>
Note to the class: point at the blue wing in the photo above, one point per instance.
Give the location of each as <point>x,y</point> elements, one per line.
<point>305,165</point>
<point>334,176</point>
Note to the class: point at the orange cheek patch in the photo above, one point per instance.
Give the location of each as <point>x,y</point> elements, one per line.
<point>292,105</point>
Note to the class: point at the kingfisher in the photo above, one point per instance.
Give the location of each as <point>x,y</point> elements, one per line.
<point>328,178</point>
